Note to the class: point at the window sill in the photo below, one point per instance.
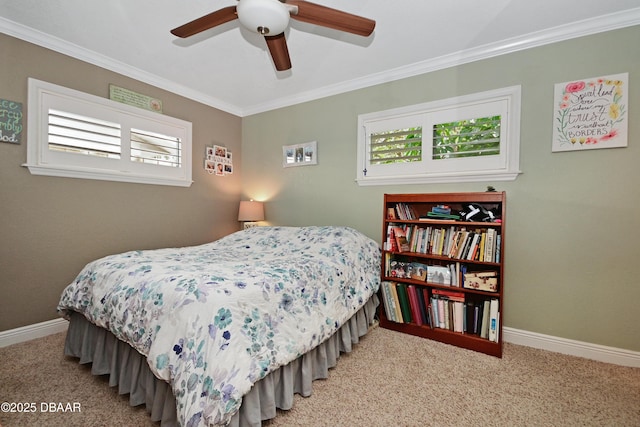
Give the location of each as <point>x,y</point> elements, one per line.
<point>439,178</point>
<point>104,176</point>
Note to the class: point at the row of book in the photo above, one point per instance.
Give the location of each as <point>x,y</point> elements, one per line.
<point>407,212</point>
<point>479,244</point>
<point>402,211</point>
<point>440,308</point>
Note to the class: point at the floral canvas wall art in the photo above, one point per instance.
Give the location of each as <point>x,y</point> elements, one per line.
<point>591,113</point>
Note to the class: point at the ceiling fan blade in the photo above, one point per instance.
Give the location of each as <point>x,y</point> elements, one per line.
<point>211,20</point>
<point>279,52</point>
<point>332,18</point>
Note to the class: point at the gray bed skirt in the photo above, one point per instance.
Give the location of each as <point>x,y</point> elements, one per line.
<point>128,370</point>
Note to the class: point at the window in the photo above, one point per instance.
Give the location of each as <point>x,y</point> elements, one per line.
<point>469,138</point>
<point>73,134</point>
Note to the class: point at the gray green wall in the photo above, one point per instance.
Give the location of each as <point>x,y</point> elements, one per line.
<point>50,227</point>
<point>573,218</point>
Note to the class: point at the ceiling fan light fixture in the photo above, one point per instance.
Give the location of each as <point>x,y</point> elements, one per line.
<point>266,17</point>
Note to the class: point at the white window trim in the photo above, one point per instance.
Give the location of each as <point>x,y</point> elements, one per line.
<point>37,141</point>
<point>512,95</point>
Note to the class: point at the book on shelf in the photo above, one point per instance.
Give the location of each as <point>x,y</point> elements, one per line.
<point>441,209</point>
<point>447,314</point>
<point>489,246</point>
<point>392,307</point>
<point>387,299</point>
<point>390,243</point>
<point>447,294</point>
<point>401,239</point>
<point>493,320</point>
<point>393,290</point>
<point>456,241</point>
<point>422,304</point>
<point>441,312</point>
<point>387,264</point>
<point>439,216</point>
<point>403,298</point>
<point>428,308</point>
<point>458,316</point>
<point>470,318</point>
<point>405,211</point>
<point>473,246</point>
<point>416,314</point>
<point>463,247</point>
<point>484,327</point>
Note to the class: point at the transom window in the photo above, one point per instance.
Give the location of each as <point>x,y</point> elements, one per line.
<point>74,133</point>
<point>77,135</point>
<point>467,138</point>
<point>470,138</point>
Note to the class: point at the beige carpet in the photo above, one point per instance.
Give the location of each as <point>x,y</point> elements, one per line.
<point>390,379</point>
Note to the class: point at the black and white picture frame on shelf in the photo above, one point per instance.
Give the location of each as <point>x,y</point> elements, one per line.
<point>218,160</point>
<point>300,154</point>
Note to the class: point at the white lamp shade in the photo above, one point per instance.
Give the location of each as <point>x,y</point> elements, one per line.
<point>268,17</point>
<point>251,211</point>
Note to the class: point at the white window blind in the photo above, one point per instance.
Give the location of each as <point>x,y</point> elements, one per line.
<point>155,148</point>
<point>396,145</point>
<point>467,138</point>
<point>74,133</point>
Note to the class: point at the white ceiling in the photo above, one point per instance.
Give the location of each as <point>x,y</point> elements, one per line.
<point>229,67</point>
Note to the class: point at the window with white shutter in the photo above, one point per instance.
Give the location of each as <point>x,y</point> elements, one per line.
<point>73,134</point>
<point>469,138</point>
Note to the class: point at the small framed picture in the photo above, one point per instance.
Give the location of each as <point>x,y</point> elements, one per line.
<point>219,168</point>
<point>219,151</point>
<point>210,166</point>
<point>300,154</point>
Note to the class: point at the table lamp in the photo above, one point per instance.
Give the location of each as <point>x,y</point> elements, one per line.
<point>250,213</point>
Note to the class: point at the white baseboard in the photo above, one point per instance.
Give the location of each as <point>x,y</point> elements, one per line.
<point>597,352</point>
<point>601,353</point>
<point>30,332</point>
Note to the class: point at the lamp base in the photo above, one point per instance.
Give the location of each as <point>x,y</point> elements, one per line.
<point>250,224</point>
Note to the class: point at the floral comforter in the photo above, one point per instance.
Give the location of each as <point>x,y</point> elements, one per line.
<point>214,319</point>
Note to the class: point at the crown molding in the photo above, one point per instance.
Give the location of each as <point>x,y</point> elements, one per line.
<point>61,46</point>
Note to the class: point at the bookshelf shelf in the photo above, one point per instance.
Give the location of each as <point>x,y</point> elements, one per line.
<point>443,279</point>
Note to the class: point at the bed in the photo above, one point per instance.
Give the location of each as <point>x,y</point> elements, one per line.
<point>226,332</point>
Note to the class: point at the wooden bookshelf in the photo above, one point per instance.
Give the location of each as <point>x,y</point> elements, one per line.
<point>445,280</point>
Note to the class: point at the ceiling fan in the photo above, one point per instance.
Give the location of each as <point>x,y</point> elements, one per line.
<point>271,17</point>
